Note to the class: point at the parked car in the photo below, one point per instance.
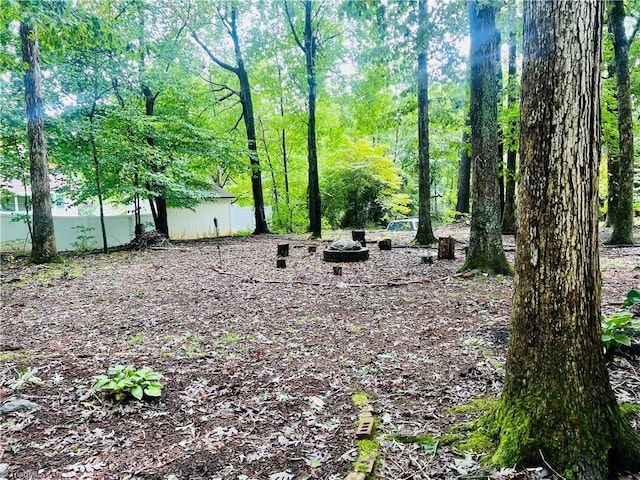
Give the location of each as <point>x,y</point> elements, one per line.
<point>403,225</point>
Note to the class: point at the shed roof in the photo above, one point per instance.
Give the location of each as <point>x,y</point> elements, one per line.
<point>219,192</point>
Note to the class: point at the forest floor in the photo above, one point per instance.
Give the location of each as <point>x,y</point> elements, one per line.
<point>260,364</point>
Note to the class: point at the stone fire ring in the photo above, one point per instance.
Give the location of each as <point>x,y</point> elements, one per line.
<point>345,255</point>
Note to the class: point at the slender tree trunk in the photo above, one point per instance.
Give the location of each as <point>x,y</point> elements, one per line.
<point>464,175</point>
<point>424,235</point>
<point>43,247</point>
<point>249,122</point>
<point>284,161</point>
<point>557,405</point>
<point>622,218</point>
<point>310,50</point>
<point>158,204</point>
<point>96,167</point>
<point>509,212</point>
<point>499,81</point>
<point>485,251</point>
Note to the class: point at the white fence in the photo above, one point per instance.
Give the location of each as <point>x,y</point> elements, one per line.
<point>14,235</point>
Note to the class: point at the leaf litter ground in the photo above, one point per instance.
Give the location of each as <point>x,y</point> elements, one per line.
<point>260,363</point>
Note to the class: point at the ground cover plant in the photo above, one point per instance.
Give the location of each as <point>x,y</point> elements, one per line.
<point>265,371</point>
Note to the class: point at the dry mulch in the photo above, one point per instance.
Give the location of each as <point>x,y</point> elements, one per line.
<point>259,363</point>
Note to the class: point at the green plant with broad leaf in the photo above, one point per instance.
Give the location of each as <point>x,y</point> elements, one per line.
<point>617,330</point>
<point>123,381</point>
<point>633,298</point>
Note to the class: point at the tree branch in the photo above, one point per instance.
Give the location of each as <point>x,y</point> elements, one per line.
<point>292,26</point>
<point>219,62</point>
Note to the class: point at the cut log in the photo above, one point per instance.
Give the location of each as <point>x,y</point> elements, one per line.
<point>283,249</point>
<point>312,249</point>
<point>446,248</point>
<point>358,236</point>
<point>385,244</point>
<point>427,259</point>
<point>281,263</point>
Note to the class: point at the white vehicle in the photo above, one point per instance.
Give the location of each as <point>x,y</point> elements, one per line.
<point>403,225</point>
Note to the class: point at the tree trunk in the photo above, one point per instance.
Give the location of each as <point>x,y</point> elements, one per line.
<point>43,247</point>
<point>557,405</point>
<point>310,50</point>
<point>509,212</point>
<point>96,166</point>
<point>499,81</point>
<point>464,175</point>
<point>485,242</point>
<point>424,235</point>
<point>158,203</point>
<point>249,122</point>
<point>622,215</point>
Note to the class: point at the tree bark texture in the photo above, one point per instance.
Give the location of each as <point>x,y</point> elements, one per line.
<point>621,218</point>
<point>464,176</point>
<point>424,235</point>
<point>509,212</point>
<point>43,248</point>
<point>311,52</point>
<point>557,401</point>
<point>486,252</point>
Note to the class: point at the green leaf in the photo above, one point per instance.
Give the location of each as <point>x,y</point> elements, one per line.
<point>606,337</point>
<point>153,391</point>
<point>633,298</point>
<point>622,339</point>
<point>137,392</point>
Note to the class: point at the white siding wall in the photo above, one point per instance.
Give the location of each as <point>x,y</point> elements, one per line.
<point>198,223</point>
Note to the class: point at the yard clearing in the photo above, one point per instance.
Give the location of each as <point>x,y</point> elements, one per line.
<point>260,363</point>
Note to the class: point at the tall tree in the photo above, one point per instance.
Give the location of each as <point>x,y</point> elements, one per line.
<point>43,248</point>
<point>621,177</point>
<point>485,251</point>
<point>424,235</point>
<point>230,22</point>
<point>557,405</point>
<point>509,211</point>
<point>308,43</point>
<point>464,175</point>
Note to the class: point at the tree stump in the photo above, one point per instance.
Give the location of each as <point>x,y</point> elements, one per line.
<point>358,236</point>
<point>427,259</point>
<point>385,244</point>
<point>283,249</point>
<point>312,249</point>
<point>281,263</point>
<point>446,248</point>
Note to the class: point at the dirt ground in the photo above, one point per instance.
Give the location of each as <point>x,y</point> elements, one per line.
<point>260,363</point>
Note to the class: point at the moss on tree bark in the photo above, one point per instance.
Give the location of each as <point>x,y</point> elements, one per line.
<point>557,405</point>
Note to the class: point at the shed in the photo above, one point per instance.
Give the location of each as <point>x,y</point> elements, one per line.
<point>197,222</point>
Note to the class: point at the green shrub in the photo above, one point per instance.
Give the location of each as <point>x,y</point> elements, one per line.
<point>616,330</point>
<point>123,381</point>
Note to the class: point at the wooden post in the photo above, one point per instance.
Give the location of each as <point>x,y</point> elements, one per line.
<point>385,244</point>
<point>281,263</point>
<point>337,270</point>
<point>283,249</point>
<point>446,248</point>
<point>358,236</point>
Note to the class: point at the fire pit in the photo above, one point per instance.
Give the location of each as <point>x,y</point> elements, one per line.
<point>345,251</point>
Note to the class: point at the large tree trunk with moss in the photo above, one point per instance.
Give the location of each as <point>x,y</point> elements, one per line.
<point>509,212</point>
<point>424,235</point>
<point>557,405</point>
<point>43,248</point>
<point>485,250</point>
<point>621,218</point>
